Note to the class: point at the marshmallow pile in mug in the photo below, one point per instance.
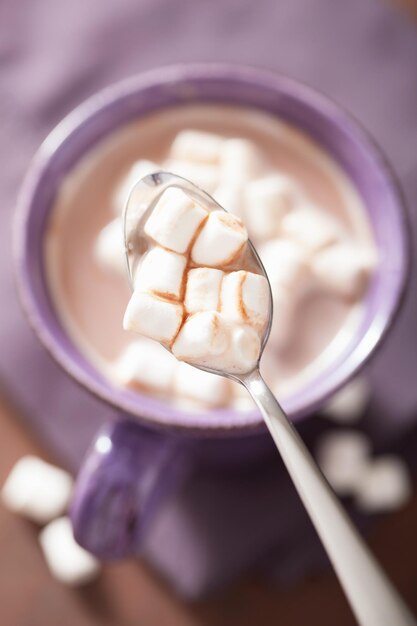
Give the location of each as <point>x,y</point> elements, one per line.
<point>302,246</point>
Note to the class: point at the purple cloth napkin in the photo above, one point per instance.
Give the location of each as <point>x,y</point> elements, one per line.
<point>54,55</point>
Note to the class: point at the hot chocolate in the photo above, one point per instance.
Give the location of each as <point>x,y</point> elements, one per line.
<point>318,257</point>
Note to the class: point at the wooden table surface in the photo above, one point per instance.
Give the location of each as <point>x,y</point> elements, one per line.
<point>131,594</point>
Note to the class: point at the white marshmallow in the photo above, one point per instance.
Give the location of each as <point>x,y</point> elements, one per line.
<point>342,456</point>
<point>147,365</point>
<point>202,387</point>
<point>348,405</point>
<point>174,221</point>
<point>385,485</point>
<point>109,248</point>
<point>206,177</point>
<point>137,171</point>
<point>230,197</point>
<point>202,339</point>
<point>37,490</point>
<point>196,145</point>
<point>68,562</point>
<point>161,272</point>
<point>245,297</point>
<point>285,263</point>
<point>240,161</point>
<point>267,200</point>
<point>153,317</point>
<point>203,289</point>
<point>312,228</point>
<point>246,348</point>
<point>220,240</point>
<point>343,269</point>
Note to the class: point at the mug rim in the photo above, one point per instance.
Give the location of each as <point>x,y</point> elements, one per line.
<point>227,421</point>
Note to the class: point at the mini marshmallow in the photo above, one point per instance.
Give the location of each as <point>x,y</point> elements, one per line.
<point>385,485</point>
<point>230,197</point>
<point>196,145</point>
<point>153,317</point>
<point>109,248</point>
<point>161,272</point>
<point>343,269</point>
<point>267,201</point>
<point>220,240</point>
<point>245,297</point>
<point>206,177</point>
<point>37,490</point>
<point>203,337</point>
<point>147,365</point>
<point>240,161</point>
<point>68,562</point>
<point>174,221</point>
<point>137,171</point>
<point>203,289</point>
<point>285,263</point>
<point>202,387</point>
<point>342,456</point>
<point>246,348</point>
<point>348,405</point>
<point>312,228</point>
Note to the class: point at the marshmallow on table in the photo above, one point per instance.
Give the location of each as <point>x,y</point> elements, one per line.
<point>203,337</point>
<point>174,221</point>
<point>385,485</point>
<point>202,387</point>
<point>312,228</point>
<point>145,364</point>
<point>37,490</point>
<point>245,297</point>
<point>161,272</point>
<point>267,200</point>
<point>68,562</point>
<point>343,269</point>
<point>153,317</point>
<point>220,240</point>
<point>285,263</point>
<point>240,161</point>
<point>203,289</point>
<point>203,175</point>
<point>348,404</point>
<point>343,457</point>
<point>138,170</point>
<point>196,145</point>
<point>109,247</point>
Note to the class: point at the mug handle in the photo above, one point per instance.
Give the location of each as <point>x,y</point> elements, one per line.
<point>126,474</point>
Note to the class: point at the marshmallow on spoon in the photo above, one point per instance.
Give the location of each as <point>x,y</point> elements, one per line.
<point>267,201</point>
<point>203,289</point>
<point>161,272</point>
<point>343,269</point>
<point>202,387</point>
<point>109,248</point>
<point>343,457</point>
<point>245,298</point>
<point>68,562</point>
<point>240,161</point>
<point>220,240</point>
<point>246,348</point>
<point>37,490</point>
<point>312,228</point>
<point>153,317</point>
<point>147,365</point>
<point>137,171</point>
<point>385,485</point>
<point>203,337</point>
<point>196,146</point>
<point>174,221</point>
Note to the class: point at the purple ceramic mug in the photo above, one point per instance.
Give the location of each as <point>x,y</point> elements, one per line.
<point>135,460</point>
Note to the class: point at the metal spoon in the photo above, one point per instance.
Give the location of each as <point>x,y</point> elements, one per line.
<point>372,597</point>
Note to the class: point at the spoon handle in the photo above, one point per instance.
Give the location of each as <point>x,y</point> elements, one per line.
<point>372,597</point>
